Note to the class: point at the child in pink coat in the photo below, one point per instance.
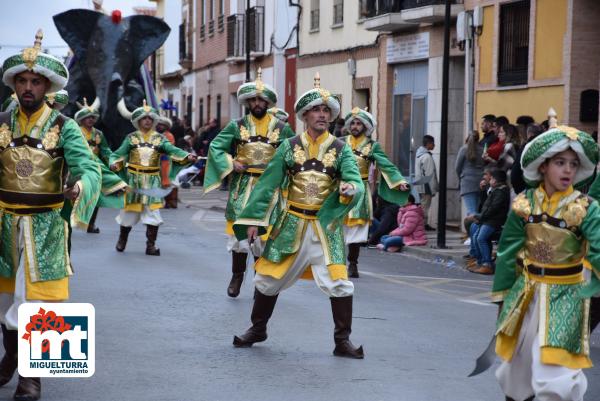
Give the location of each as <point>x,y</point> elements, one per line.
<point>410,231</point>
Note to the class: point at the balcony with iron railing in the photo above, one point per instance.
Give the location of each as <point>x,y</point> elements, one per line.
<point>185,55</point>
<point>236,34</point>
<point>398,15</point>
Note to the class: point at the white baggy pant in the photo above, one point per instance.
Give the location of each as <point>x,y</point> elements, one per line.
<point>310,253</point>
<point>256,248</point>
<point>525,375</point>
<point>148,216</point>
<point>356,234</point>
<point>10,302</point>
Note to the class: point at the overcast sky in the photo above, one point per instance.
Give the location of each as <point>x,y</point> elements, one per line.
<point>20,23</point>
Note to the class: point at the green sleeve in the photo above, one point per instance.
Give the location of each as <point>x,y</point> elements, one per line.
<point>511,242</point>
<point>176,154</point>
<point>122,153</point>
<point>82,164</point>
<point>105,151</point>
<point>590,229</point>
<point>220,162</point>
<point>392,177</point>
<point>263,198</point>
<point>336,207</point>
<point>287,132</point>
<point>178,157</point>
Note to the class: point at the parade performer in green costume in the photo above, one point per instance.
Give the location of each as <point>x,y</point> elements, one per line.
<point>253,139</point>
<point>111,183</point>
<point>140,155</point>
<point>307,238</point>
<point>37,144</point>
<point>392,187</point>
<point>543,326</point>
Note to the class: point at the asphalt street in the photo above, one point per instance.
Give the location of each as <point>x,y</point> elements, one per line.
<point>165,326</point>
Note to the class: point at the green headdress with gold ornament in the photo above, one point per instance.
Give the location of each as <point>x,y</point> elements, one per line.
<point>34,60</point>
<point>364,116</point>
<point>554,141</point>
<point>315,97</point>
<point>86,111</point>
<point>257,88</point>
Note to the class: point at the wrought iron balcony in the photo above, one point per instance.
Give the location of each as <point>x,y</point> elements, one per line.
<point>236,33</point>
<point>398,15</point>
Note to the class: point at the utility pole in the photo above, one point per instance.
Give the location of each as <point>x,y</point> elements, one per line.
<point>441,226</point>
<point>247,28</point>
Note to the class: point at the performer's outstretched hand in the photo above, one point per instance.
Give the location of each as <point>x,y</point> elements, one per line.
<point>347,189</point>
<point>238,167</point>
<point>252,233</point>
<point>114,167</point>
<point>192,158</point>
<point>71,193</point>
<point>403,187</point>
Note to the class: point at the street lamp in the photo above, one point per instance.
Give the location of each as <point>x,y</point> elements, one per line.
<point>441,224</point>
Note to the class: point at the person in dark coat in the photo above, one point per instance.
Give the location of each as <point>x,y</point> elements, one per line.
<point>384,220</point>
<point>487,222</point>
<point>516,175</point>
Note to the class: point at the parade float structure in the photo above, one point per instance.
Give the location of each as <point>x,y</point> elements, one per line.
<point>108,64</point>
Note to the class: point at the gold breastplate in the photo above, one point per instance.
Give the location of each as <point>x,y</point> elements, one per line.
<point>144,155</point>
<point>29,175</point>
<point>255,153</point>
<point>548,244</point>
<point>310,187</point>
<point>363,164</point>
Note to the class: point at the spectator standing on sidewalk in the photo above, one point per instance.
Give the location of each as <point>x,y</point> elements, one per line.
<point>426,182</point>
<point>469,168</point>
<point>487,129</point>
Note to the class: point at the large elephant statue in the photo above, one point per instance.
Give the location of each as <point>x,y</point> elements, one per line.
<point>108,53</point>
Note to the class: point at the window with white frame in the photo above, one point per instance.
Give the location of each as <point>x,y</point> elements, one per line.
<point>338,12</point>
<point>314,15</point>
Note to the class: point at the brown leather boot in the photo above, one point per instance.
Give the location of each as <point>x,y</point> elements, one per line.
<point>342,318</point>
<point>8,364</point>
<point>123,235</point>
<point>28,389</point>
<point>238,268</point>
<point>353,252</point>
<point>92,229</point>
<point>261,313</point>
<point>151,234</point>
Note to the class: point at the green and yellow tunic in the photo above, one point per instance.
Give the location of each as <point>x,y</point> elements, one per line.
<point>315,169</point>
<point>141,153</point>
<point>367,151</point>
<point>34,155</point>
<point>254,142</point>
<point>542,249</point>
<point>111,182</point>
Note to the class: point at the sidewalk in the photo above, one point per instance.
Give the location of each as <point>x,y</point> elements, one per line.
<point>216,200</point>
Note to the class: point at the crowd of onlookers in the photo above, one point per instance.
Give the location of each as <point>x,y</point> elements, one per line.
<point>490,175</point>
